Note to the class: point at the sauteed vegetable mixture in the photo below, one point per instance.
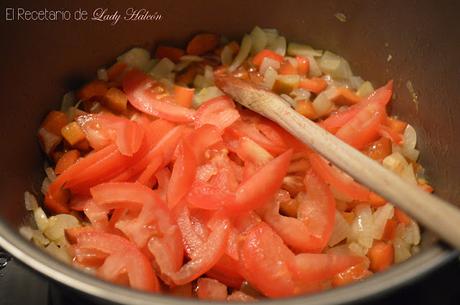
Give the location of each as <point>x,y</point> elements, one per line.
<point>158,180</point>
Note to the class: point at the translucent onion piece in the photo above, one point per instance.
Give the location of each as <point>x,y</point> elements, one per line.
<point>68,100</point>
<point>136,58</point>
<point>226,56</point>
<point>279,45</point>
<point>245,48</point>
<point>162,69</point>
<point>380,218</point>
<point>27,232</point>
<point>341,230</point>
<point>335,66</point>
<point>365,89</point>
<point>322,104</point>
<point>58,252</point>
<point>301,94</point>
<point>362,227</point>
<point>40,219</point>
<point>268,63</point>
<point>57,225</point>
<point>30,201</point>
<point>314,71</point>
<point>270,76</point>
<point>259,40</point>
<point>45,184</point>
<point>297,49</point>
<point>206,94</point>
<point>395,162</point>
<point>290,100</point>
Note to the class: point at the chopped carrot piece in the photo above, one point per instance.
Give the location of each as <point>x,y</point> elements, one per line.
<point>186,78</point>
<point>172,53</point>
<point>396,125</point>
<point>390,230</point>
<point>306,109</point>
<point>344,96</point>
<point>183,96</point>
<point>258,59</point>
<point>94,88</point>
<point>115,100</point>
<point>303,65</point>
<point>376,200</point>
<point>402,217</point>
<point>315,84</point>
<point>202,43</point>
<point>67,159</point>
<point>381,255</point>
<point>287,68</point>
<point>54,122</point>
<point>73,133</point>
<point>116,70</point>
<point>352,274</point>
<point>379,149</point>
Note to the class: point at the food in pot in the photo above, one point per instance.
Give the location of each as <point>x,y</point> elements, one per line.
<point>158,180</point>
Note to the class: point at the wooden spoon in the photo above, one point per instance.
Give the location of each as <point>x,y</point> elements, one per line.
<point>437,215</point>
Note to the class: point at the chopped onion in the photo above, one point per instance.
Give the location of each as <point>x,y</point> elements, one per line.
<point>245,48</point>
<point>58,253</point>
<point>267,62</point>
<point>57,224</point>
<point>288,82</point>
<point>270,76</point>
<point>357,249</point>
<point>30,201</point>
<point>395,162</point>
<point>45,184</point>
<point>301,94</point>
<point>340,231</point>
<point>39,239</point>
<point>68,100</point>
<point>271,35</point>
<point>40,219</point>
<point>206,94</point>
<point>26,232</point>
<point>278,45</point>
<point>362,227</point>
<point>335,66</point>
<point>50,173</point>
<point>102,74</point>
<point>380,218</point>
<point>259,40</point>
<point>201,82</point>
<point>355,82</point>
<point>322,104</point>
<point>314,71</point>
<point>410,137</point>
<point>401,250</point>
<point>226,56</point>
<point>192,58</point>
<point>209,75</point>
<point>290,100</point>
<point>365,89</point>
<point>136,58</point>
<point>162,69</point>
<point>411,233</point>
<point>408,174</point>
<point>297,49</point>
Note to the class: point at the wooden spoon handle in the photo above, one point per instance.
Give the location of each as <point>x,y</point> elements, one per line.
<point>435,214</point>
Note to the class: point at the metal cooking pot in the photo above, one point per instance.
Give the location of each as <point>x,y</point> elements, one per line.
<point>41,60</point>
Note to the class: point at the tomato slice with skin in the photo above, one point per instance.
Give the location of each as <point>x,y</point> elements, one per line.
<point>317,208</point>
<point>337,179</point>
<point>182,175</point>
<point>265,262</point>
<point>219,111</point>
<point>122,255</point>
<point>258,189</point>
<point>103,127</point>
<point>141,95</point>
<point>211,289</point>
<point>380,97</point>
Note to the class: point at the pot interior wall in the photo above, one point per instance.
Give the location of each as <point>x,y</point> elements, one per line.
<point>43,60</point>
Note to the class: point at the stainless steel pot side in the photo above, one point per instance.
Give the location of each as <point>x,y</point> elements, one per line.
<point>43,60</point>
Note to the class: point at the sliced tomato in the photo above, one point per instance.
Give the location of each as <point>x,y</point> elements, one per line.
<point>265,261</point>
<point>104,128</point>
<point>140,89</point>
<point>123,255</point>
<point>203,138</point>
<point>258,59</point>
<point>364,127</point>
<point>391,134</point>
<point>250,151</point>
<point>317,209</point>
<point>337,179</point>
<point>182,175</point>
<point>219,111</point>
<point>226,271</point>
<point>380,97</point>
<point>211,289</point>
<point>204,255</point>
<point>263,185</point>
<point>316,267</point>
<point>205,195</point>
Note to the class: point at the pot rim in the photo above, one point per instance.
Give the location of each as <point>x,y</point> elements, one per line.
<point>377,285</point>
